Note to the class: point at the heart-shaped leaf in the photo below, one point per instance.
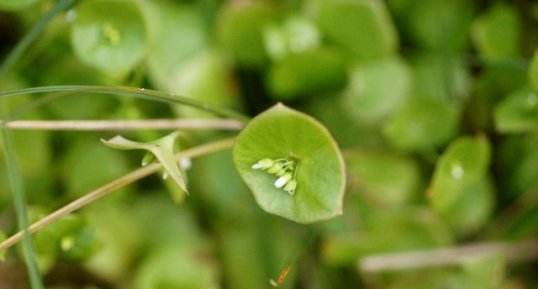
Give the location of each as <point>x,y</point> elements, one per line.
<point>162,149</point>
<point>292,165</point>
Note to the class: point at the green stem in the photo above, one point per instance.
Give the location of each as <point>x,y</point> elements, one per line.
<point>15,178</point>
<point>131,92</point>
<point>113,186</point>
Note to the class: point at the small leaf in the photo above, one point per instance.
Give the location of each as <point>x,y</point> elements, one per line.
<point>518,112</point>
<point>162,149</point>
<point>282,133</point>
<point>497,32</point>
<point>240,30</point>
<point>383,177</point>
<point>463,163</point>
<point>363,27</point>
<point>111,42</point>
<point>295,35</point>
<point>422,124</point>
<point>368,98</point>
<point>306,73</point>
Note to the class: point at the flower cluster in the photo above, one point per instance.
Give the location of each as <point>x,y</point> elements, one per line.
<point>285,169</point>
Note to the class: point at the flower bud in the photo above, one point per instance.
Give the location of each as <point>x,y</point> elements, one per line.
<point>280,182</point>
<point>263,164</point>
<point>290,187</point>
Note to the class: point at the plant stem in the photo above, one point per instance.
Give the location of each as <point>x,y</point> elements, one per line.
<point>15,179</point>
<point>101,125</point>
<point>525,250</point>
<point>19,199</point>
<point>112,186</point>
<point>142,93</point>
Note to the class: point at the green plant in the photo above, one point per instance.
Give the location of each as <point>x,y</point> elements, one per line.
<point>389,134</point>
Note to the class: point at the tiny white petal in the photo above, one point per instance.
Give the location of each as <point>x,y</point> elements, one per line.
<point>280,182</point>
<point>283,180</point>
<point>257,166</point>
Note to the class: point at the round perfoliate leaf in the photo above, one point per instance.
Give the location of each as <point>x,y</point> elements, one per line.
<point>111,42</point>
<point>292,165</point>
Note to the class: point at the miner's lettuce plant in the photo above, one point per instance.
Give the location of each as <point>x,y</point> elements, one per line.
<point>307,143</point>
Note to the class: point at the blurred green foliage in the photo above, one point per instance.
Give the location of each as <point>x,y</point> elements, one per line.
<point>434,104</point>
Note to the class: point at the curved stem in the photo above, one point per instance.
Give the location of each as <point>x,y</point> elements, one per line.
<point>16,181</point>
<point>102,125</point>
<point>112,186</point>
<point>142,93</point>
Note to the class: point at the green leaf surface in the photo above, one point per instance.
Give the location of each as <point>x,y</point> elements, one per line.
<point>497,32</point>
<point>463,163</point>
<point>118,232</point>
<point>363,27</point>
<point>410,229</point>
<point>12,5</point>
<point>295,34</point>
<point>422,124</point>
<point>111,42</point>
<point>176,33</point>
<point>533,72</point>
<point>241,28</point>
<point>473,209</point>
<point>440,25</point>
<point>377,89</point>
<point>206,78</point>
<point>310,72</point>
<point>518,112</point>
<point>383,177</point>
<point>281,132</point>
<point>177,267</point>
<point>162,149</point>
<point>441,75</point>
<point>70,238</point>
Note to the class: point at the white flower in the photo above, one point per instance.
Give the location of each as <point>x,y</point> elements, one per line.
<point>263,164</point>
<point>280,182</point>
